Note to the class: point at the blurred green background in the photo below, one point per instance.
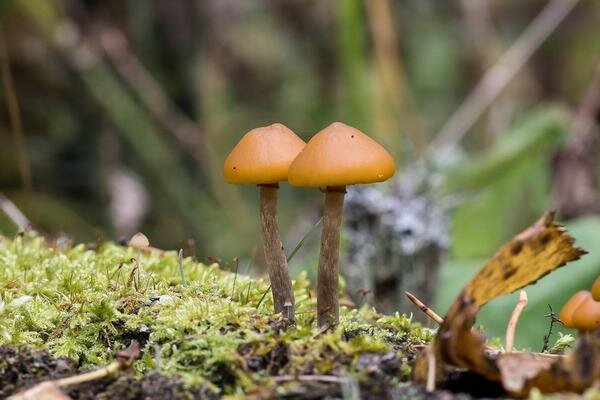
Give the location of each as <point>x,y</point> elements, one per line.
<point>115,117</point>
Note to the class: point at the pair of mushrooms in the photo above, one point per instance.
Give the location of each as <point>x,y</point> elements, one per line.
<point>582,310</point>
<point>337,156</point>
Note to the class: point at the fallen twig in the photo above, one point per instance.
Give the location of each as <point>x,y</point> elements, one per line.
<point>51,388</point>
<point>512,322</point>
<point>13,213</point>
<point>124,359</point>
<point>313,378</point>
<point>428,311</point>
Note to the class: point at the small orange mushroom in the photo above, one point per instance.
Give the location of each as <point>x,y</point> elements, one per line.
<point>566,314</point>
<point>337,156</point>
<point>596,289</point>
<point>587,316</point>
<point>262,157</point>
<point>341,155</point>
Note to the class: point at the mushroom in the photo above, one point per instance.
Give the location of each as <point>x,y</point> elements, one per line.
<point>337,156</point>
<point>262,157</point>
<point>566,314</point>
<point>587,316</point>
<point>596,289</point>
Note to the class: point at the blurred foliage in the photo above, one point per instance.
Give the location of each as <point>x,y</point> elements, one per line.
<point>224,67</point>
<point>510,181</point>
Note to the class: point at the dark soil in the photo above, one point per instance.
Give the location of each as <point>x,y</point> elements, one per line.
<point>23,368</point>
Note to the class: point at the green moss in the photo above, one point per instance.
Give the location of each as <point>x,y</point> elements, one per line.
<point>85,304</point>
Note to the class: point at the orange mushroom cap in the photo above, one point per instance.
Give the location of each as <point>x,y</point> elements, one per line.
<point>566,314</point>
<point>340,155</point>
<point>587,316</point>
<point>596,289</point>
<point>263,156</point>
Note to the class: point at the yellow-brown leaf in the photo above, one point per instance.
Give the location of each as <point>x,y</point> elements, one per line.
<point>533,253</point>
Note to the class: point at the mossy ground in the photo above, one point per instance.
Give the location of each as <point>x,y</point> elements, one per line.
<point>86,303</point>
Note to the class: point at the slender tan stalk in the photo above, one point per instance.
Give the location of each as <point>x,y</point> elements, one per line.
<point>328,275</point>
<point>103,372</point>
<point>394,102</point>
<point>13,213</point>
<point>430,385</point>
<point>512,322</point>
<point>124,359</point>
<point>311,378</point>
<point>428,311</point>
<point>281,283</point>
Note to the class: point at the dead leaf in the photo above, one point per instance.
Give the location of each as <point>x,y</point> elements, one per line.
<point>573,372</point>
<point>533,253</point>
<point>42,391</point>
<point>517,369</point>
<point>537,251</point>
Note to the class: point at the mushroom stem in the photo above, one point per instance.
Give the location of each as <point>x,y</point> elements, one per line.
<point>281,283</point>
<point>328,275</point>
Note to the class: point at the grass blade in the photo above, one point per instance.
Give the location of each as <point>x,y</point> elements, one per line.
<point>292,254</point>
<point>180,261</point>
<point>301,242</point>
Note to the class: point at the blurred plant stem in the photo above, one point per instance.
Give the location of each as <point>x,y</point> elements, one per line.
<point>352,62</point>
<point>575,175</point>
<point>395,116</point>
<point>14,114</point>
<point>487,46</point>
<point>212,99</point>
<point>151,96</point>
<point>497,77</point>
<point>13,213</point>
<point>188,133</point>
<point>133,124</point>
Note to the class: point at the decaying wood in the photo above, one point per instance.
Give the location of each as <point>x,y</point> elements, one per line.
<point>281,283</point>
<point>328,276</point>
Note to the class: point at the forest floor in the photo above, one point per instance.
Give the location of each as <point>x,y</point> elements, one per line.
<point>23,368</point>
<point>204,332</point>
